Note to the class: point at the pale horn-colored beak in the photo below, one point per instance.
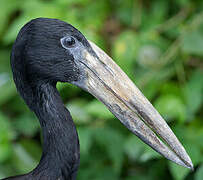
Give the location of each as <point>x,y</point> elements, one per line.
<point>108,83</point>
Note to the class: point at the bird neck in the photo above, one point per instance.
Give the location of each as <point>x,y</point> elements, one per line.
<point>60,156</point>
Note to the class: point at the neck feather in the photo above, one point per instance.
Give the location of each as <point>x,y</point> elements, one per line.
<point>60,158</point>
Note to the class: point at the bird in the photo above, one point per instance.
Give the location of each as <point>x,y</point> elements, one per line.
<point>47,51</point>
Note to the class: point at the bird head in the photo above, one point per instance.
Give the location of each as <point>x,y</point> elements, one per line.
<point>52,50</point>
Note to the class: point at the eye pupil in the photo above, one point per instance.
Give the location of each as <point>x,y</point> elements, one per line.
<point>69,41</point>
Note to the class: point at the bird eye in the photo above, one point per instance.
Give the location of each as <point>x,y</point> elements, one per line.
<point>68,42</point>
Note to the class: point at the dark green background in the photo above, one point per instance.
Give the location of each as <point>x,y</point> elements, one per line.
<point>158,43</point>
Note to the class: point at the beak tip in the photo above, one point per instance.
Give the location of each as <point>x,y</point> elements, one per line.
<point>190,166</point>
<point>189,163</point>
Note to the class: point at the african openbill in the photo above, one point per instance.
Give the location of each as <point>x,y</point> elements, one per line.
<point>48,51</point>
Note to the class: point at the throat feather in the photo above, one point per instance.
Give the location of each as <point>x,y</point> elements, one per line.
<point>60,139</point>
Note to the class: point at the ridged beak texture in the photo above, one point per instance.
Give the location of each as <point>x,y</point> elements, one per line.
<point>109,84</point>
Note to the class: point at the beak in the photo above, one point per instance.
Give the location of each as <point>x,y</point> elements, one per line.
<point>108,83</point>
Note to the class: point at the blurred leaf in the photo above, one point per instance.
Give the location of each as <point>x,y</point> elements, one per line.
<point>33,148</point>
<point>5,151</point>
<point>199,174</point>
<point>157,11</point>
<point>153,50</point>
<point>171,106</point>
<point>8,7</point>
<point>5,136</point>
<point>77,109</point>
<point>98,110</point>
<point>193,42</point>
<point>85,136</point>
<point>23,160</point>
<point>126,9</point>
<point>171,88</point>
<point>151,88</point>
<point>94,14</point>
<point>134,148</point>
<point>183,2</point>
<point>193,93</point>
<point>125,50</point>
<point>7,88</point>
<point>97,173</point>
<point>72,2</point>
<point>4,78</point>
<point>149,55</point>
<point>67,90</point>
<point>32,9</point>
<point>5,128</point>
<point>5,61</point>
<point>149,154</point>
<point>27,124</point>
<point>177,171</point>
<point>112,141</point>
<point>14,28</point>
<point>191,137</point>
<point>138,151</point>
<point>145,77</point>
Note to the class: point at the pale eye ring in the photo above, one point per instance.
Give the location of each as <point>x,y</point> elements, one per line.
<point>68,42</point>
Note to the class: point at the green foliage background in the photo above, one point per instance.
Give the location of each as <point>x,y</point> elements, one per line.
<point>158,43</point>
